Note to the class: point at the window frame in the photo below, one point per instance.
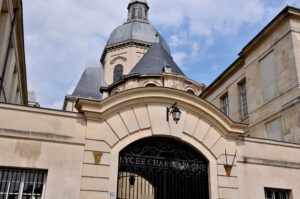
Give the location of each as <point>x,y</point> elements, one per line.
<point>243,99</point>
<point>116,75</point>
<point>225,106</point>
<point>287,192</point>
<point>9,181</point>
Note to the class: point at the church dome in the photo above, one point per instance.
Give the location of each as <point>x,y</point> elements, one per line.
<point>137,27</point>
<point>139,31</point>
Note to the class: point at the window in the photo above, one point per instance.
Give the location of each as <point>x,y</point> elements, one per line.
<point>225,104</point>
<point>269,77</point>
<point>244,100</point>
<point>21,184</point>
<point>133,13</point>
<point>190,92</point>
<point>277,193</point>
<point>274,130</point>
<point>118,72</point>
<point>140,13</point>
<point>151,85</point>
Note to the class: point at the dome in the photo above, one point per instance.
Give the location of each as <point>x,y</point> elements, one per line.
<point>139,31</point>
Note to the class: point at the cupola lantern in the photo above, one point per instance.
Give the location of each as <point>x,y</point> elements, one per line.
<point>138,11</point>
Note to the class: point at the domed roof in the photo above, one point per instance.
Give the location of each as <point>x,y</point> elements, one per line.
<point>139,31</point>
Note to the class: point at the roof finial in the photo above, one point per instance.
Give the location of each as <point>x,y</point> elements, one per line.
<point>138,11</point>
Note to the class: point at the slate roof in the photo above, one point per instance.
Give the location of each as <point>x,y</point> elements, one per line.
<point>139,31</point>
<point>154,62</point>
<point>90,82</point>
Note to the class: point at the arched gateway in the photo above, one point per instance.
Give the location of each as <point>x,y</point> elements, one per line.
<point>162,168</point>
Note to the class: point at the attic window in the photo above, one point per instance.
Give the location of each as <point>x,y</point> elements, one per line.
<point>118,72</point>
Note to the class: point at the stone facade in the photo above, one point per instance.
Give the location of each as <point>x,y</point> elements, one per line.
<point>281,39</point>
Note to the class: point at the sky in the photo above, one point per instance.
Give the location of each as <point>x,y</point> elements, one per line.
<point>62,37</point>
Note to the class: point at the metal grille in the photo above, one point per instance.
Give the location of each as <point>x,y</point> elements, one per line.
<point>162,168</point>
<point>277,193</point>
<point>21,184</point>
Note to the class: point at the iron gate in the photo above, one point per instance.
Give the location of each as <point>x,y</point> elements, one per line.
<point>162,168</point>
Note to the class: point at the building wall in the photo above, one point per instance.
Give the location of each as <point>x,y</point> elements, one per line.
<point>15,85</point>
<point>267,164</point>
<point>32,138</point>
<point>65,144</point>
<point>280,41</point>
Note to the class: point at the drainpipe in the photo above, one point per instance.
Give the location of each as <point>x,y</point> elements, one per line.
<point>8,50</point>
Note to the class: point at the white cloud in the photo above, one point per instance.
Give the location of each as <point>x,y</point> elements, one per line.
<point>195,49</point>
<point>61,38</point>
<point>207,16</point>
<point>179,58</point>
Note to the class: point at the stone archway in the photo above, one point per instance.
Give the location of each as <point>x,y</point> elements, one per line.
<point>120,120</point>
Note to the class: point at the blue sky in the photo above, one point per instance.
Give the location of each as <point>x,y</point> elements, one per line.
<point>62,37</point>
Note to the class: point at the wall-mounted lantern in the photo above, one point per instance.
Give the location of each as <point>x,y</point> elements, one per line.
<point>174,110</point>
<point>228,167</point>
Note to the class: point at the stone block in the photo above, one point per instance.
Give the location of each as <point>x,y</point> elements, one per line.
<point>159,124</point>
<point>93,195</point>
<point>230,182</point>
<point>201,130</point>
<point>130,120</point>
<point>228,193</point>
<point>101,146</point>
<point>219,148</point>
<point>190,125</point>
<point>142,116</point>
<point>101,131</point>
<point>211,138</point>
<point>118,126</point>
<point>94,184</point>
<point>95,171</point>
